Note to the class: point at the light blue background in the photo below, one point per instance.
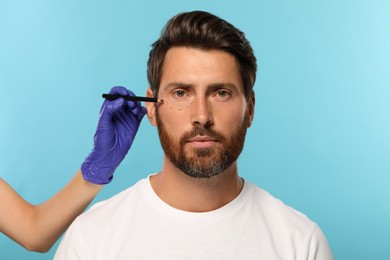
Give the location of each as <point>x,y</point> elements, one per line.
<point>320,140</point>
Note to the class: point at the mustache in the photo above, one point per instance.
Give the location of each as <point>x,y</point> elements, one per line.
<point>201,131</point>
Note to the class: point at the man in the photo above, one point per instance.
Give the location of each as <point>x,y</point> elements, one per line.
<point>197,206</point>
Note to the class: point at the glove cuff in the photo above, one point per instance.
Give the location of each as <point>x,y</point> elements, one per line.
<point>95,174</point>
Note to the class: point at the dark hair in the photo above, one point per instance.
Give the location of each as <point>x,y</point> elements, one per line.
<point>199,29</point>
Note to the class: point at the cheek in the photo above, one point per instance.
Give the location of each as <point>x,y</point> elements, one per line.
<point>229,119</point>
<point>174,123</point>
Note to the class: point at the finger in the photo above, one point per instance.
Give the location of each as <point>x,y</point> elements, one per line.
<point>110,108</point>
<point>142,113</point>
<point>133,104</point>
<point>114,104</point>
<point>119,90</point>
<point>135,110</point>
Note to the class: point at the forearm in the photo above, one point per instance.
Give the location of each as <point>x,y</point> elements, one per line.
<point>15,213</point>
<point>53,217</point>
<point>37,228</point>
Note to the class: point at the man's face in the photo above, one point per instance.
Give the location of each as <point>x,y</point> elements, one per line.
<point>206,136</point>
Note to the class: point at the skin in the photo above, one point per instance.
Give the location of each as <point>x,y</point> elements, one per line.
<point>38,227</point>
<point>200,70</point>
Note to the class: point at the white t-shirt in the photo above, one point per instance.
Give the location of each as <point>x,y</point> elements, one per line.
<point>137,224</point>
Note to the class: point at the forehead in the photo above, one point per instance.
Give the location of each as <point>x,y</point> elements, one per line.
<point>199,67</point>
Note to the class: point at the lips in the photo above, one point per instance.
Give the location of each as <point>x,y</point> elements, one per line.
<point>200,137</point>
<point>202,141</point>
<point>203,138</point>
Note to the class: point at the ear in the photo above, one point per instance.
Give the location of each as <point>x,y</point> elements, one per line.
<point>251,109</point>
<point>151,107</point>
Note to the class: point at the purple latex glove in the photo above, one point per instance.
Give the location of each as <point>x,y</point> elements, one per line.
<point>118,124</point>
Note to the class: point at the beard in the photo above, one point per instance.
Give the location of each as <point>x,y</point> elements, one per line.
<point>203,162</point>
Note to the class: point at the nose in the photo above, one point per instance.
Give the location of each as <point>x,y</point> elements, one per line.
<point>201,112</point>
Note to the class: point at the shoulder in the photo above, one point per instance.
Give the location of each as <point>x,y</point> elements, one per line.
<point>114,206</point>
<point>286,224</point>
<point>103,219</point>
<point>277,213</point>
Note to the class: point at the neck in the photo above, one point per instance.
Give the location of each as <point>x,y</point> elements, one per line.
<point>196,195</point>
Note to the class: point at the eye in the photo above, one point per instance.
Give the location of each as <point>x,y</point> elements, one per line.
<point>179,93</point>
<point>223,94</point>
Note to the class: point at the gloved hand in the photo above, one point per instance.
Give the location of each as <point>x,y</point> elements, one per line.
<point>118,124</point>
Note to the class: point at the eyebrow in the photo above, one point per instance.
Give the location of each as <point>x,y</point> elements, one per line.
<point>227,85</point>
<point>178,85</point>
